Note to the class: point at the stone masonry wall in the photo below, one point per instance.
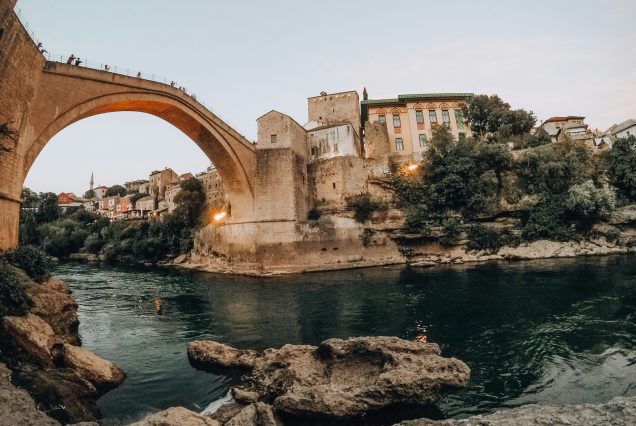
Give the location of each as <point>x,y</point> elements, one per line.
<point>335,108</point>
<point>20,66</point>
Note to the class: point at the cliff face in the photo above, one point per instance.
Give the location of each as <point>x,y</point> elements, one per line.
<point>42,350</point>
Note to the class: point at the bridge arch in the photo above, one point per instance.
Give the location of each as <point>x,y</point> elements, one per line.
<point>67,94</point>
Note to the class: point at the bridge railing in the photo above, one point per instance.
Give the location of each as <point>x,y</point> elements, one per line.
<point>132,72</point>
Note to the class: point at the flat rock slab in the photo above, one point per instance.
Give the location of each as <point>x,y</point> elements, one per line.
<point>340,378</point>
<point>617,412</point>
<point>176,416</point>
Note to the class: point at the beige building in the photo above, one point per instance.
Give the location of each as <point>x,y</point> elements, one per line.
<point>571,126</point>
<point>410,118</point>
<point>145,205</point>
<point>215,195</point>
<point>171,193</point>
<point>134,185</point>
<point>160,179</point>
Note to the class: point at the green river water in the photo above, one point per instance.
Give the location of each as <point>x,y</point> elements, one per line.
<point>554,331</point>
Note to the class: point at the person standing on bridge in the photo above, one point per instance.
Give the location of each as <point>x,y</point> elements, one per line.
<point>71,59</point>
<point>139,74</point>
<point>78,61</point>
<point>106,67</point>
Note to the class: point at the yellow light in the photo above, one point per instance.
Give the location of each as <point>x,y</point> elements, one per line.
<point>411,167</point>
<point>219,216</point>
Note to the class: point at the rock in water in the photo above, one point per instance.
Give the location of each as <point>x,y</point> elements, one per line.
<point>176,416</point>
<point>619,411</point>
<point>340,378</point>
<point>104,375</point>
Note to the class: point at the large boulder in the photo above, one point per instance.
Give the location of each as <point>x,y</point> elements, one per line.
<point>17,408</point>
<point>104,375</point>
<point>341,378</point>
<point>176,416</point>
<point>28,338</point>
<point>617,412</point>
<point>52,301</point>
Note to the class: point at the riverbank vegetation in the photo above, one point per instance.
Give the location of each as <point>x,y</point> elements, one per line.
<point>42,225</point>
<point>555,191</point>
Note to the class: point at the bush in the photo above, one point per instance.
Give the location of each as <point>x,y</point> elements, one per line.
<point>313,214</point>
<point>621,166</point>
<point>14,299</point>
<point>547,220</point>
<point>482,237</point>
<point>93,243</point>
<point>363,207</point>
<point>587,204</point>
<point>33,261</point>
<point>452,229</point>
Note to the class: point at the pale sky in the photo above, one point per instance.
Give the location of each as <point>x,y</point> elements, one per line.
<point>244,58</point>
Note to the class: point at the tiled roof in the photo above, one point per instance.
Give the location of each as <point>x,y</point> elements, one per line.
<point>417,96</point>
<point>563,118</point>
<point>622,126</point>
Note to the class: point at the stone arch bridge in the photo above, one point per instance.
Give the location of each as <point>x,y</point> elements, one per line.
<point>39,98</point>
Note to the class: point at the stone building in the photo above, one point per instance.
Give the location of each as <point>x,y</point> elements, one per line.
<point>145,205</point>
<point>409,120</point>
<point>100,191</point>
<point>134,185</point>
<point>160,179</point>
<point>215,194</point>
<point>561,127</point>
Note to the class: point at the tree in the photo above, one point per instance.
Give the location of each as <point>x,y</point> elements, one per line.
<point>89,194</point>
<point>621,166</point>
<point>190,202</point>
<point>47,208</point>
<point>116,190</point>
<point>587,203</point>
<point>490,116</point>
<point>30,199</point>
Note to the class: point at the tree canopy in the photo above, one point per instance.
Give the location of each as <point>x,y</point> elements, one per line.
<point>116,190</point>
<point>491,117</point>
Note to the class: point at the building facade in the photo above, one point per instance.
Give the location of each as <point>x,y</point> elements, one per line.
<point>159,181</point>
<point>134,185</point>
<point>410,119</point>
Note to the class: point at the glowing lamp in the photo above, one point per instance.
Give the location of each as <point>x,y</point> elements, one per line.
<point>219,216</point>
<point>411,167</point>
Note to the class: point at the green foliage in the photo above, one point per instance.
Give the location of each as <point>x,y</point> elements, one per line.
<point>67,234</point>
<point>621,167</point>
<point>33,261</point>
<point>451,230</point>
<point>313,214</point>
<point>489,116</point>
<point>93,243</point>
<point>552,169</point>
<point>14,299</point>
<point>89,194</point>
<point>366,235</point>
<point>546,220</point>
<point>363,207</point>
<point>587,204</point>
<point>47,209</point>
<point>481,237</point>
<point>116,190</point>
<point>28,231</point>
<point>190,203</point>
<point>541,137</point>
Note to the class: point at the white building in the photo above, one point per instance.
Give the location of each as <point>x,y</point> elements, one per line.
<point>332,141</point>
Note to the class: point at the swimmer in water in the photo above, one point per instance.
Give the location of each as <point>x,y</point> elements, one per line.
<point>157,304</point>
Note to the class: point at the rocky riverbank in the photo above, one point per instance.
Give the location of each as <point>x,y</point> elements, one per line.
<point>42,350</point>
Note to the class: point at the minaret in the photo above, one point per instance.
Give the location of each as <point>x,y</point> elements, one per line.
<point>92,181</point>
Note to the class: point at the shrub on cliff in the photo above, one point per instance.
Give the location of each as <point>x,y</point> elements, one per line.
<point>587,204</point>
<point>363,207</point>
<point>554,168</point>
<point>33,261</point>
<point>621,167</point>
<point>546,220</point>
<point>451,230</point>
<point>13,291</point>
<point>482,237</point>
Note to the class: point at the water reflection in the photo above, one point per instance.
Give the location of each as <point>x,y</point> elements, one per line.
<point>544,331</point>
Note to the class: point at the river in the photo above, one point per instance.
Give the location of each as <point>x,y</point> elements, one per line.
<point>550,331</point>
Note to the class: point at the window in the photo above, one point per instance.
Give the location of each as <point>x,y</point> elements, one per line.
<point>313,150</point>
<point>396,121</point>
<point>274,139</point>
<point>335,147</point>
<point>333,185</point>
<point>459,119</point>
<point>382,118</point>
<point>399,144</point>
<point>419,117</point>
<point>432,116</point>
<point>446,118</point>
<point>422,140</point>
